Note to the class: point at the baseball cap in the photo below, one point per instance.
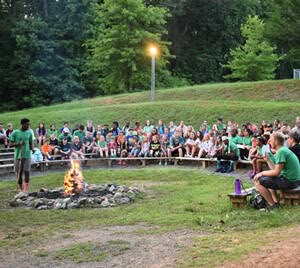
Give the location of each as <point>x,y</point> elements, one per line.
<point>66,130</point>
<point>225,138</point>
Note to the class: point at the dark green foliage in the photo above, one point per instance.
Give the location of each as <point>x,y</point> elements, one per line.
<point>124,30</point>
<point>283,29</point>
<point>255,60</point>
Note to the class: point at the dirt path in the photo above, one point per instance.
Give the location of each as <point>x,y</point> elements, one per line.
<point>144,250</point>
<point>282,253</point>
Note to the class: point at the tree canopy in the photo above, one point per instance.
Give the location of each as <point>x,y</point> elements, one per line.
<point>55,51</point>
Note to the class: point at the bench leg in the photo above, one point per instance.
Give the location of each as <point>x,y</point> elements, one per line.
<point>109,162</point>
<point>143,162</point>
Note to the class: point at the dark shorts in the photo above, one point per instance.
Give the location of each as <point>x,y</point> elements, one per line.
<point>277,183</point>
<point>23,165</point>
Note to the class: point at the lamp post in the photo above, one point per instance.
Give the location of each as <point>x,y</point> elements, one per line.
<point>153,52</point>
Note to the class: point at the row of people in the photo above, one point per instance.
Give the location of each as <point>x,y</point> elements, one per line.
<point>42,132</point>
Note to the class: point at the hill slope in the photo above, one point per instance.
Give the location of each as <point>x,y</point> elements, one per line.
<point>233,101</point>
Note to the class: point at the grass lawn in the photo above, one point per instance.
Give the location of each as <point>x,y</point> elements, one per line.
<point>241,102</point>
<point>174,199</point>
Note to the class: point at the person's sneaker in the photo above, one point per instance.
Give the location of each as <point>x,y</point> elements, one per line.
<point>159,163</point>
<point>270,208</point>
<point>218,169</point>
<point>166,163</point>
<point>120,162</point>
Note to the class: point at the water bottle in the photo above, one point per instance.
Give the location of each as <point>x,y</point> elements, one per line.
<point>238,186</point>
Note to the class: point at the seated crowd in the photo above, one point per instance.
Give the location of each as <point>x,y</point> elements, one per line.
<point>226,142</point>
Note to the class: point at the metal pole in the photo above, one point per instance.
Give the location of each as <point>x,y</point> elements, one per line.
<point>153,77</point>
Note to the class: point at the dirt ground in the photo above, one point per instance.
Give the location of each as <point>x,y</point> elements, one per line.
<point>148,249</point>
<point>144,250</point>
<point>282,253</point>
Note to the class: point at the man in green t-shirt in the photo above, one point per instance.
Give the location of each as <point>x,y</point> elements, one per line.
<point>284,175</point>
<point>22,139</point>
<point>229,152</point>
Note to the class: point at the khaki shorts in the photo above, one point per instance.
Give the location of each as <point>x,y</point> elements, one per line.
<point>24,164</point>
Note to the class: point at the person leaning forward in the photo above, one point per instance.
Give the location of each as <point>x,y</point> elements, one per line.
<point>22,139</point>
<point>284,175</point>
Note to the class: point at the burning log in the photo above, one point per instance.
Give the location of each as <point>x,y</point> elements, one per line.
<point>73,180</point>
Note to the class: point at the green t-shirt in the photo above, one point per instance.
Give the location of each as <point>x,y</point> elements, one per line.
<point>50,131</point>
<point>247,141</point>
<point>232,147</point>
<point>102,144</point>
<point>291,169</point>
<point>22,136</point>
<point>259,150</point>
<point>79,134</point>
<point>236,140</point>
<point>68,137</point>
<point>220,127</point>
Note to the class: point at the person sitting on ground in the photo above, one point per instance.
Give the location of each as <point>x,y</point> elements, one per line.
<point>80,133</point>
<point>47,150</point>
<point>8,133</point>
<point>102,147</point>
<point>154,132</point>
<point>230,152</point>
<point>155,147</point>
<point>52,130</point>
<point>77,149</point>
<point>285,174</point>
<point>220,125</point>
<point>3,139</point>
<point>89,127</point>
<point>123,149</point>
<point>206,147</point>
<point>130,138</point>
<point>53,141</point>
<point>234,137</point>
<point>172,128</point>
<point>189,145</point>
<point>164,148</point>
<point>65,125</point>
<point>297,125</point>
<point>41,133</point>
<point>258,158</point>
<point>112,147</point>
<point>144,147</point>
<point>88,144</point>
<point>136,148</point>
<point>247,144</point>
<point>115,130</point>
<point>126,127</point>
<point>148,127</point>
<point>98,132</point>
<point>176,145</point>
<point>161,127</point>
<point>65,149</point>
<point>293,142</point>
<point>65,135</point>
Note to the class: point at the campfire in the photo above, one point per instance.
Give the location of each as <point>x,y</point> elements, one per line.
<point>76,193</point>
<point>74,182</point>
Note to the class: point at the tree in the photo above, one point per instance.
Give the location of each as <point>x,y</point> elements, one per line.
<point>123,30</point>
<point>283,29</point>
<point>255,60</point>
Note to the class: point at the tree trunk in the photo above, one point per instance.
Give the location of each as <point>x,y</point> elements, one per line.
<point>46,8</point>
<point>13,8</point>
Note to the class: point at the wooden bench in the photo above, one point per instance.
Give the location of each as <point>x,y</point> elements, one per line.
<point>240,200</point>
<point>292,197</point>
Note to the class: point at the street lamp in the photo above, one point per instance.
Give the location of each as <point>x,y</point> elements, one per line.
<point>153,52</point>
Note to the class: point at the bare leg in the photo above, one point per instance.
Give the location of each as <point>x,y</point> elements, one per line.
<point>265,193</point>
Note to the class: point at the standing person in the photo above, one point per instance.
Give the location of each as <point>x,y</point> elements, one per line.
<point>22,140</point>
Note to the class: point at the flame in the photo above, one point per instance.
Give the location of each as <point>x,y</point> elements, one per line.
<point>73,180</point>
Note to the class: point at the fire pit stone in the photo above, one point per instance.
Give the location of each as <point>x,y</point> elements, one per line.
<point>94,196</point>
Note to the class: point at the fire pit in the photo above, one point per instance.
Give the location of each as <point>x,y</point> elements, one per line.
<point>76,193</point>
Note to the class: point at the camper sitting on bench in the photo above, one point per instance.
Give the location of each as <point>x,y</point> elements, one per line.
<point>284,175</point>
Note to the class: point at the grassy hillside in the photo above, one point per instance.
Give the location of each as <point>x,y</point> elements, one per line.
<point>233,101</point>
